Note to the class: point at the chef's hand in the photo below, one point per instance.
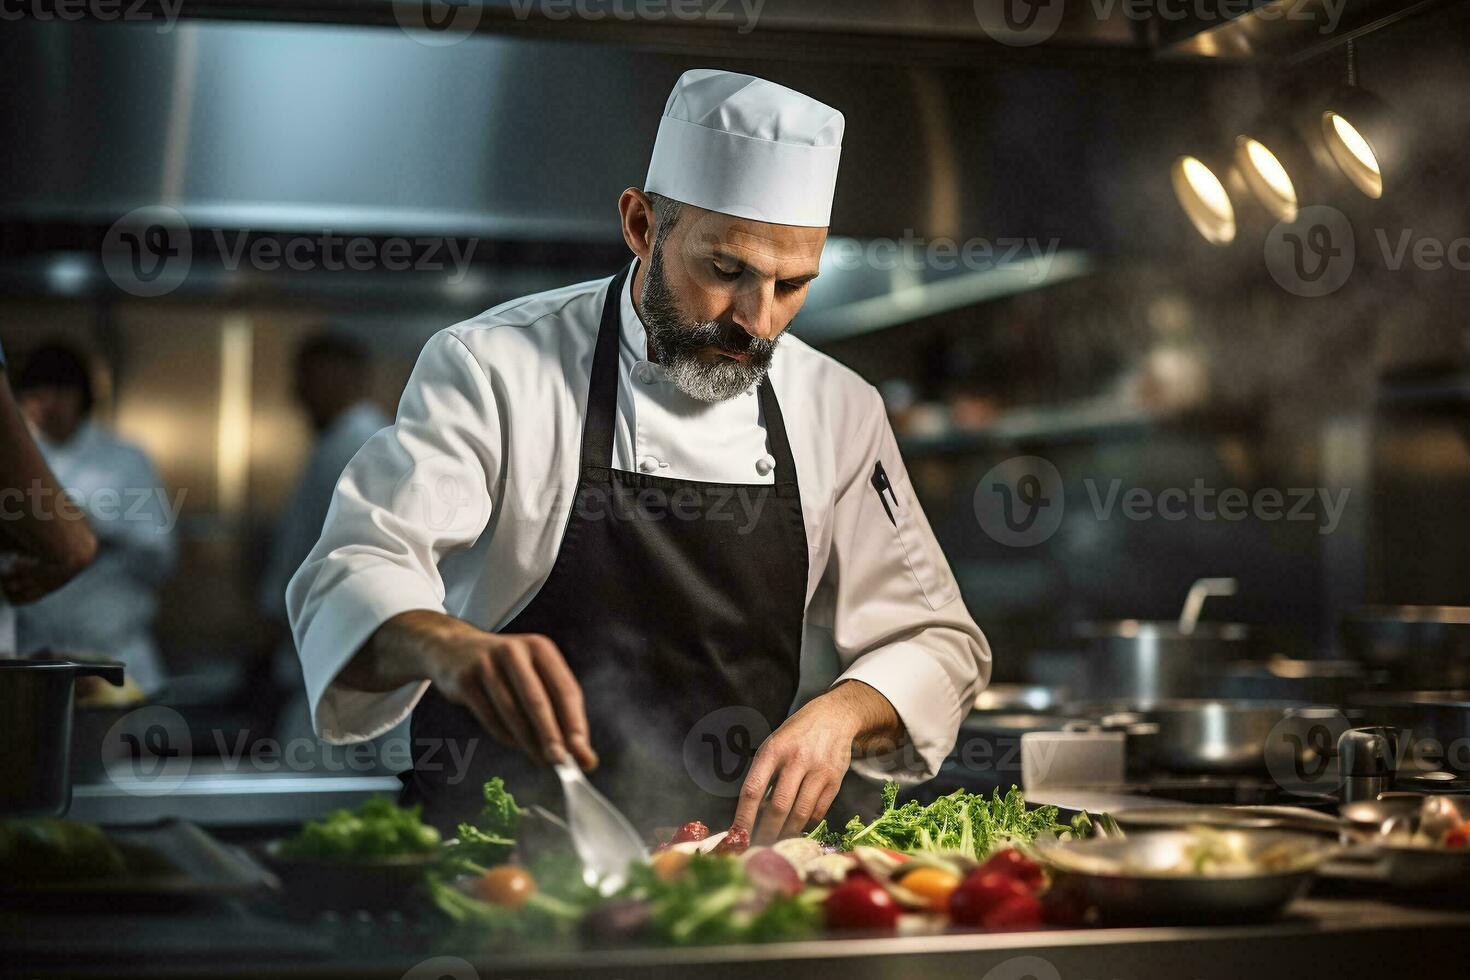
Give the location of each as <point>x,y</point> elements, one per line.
<point>517,685</point>
<point>804,760</point>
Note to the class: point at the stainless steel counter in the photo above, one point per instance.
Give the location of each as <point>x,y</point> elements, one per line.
<point>1341,938</point>
<point>216,795</point>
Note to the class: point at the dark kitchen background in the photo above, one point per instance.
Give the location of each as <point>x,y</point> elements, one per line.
<point>1139,353</point>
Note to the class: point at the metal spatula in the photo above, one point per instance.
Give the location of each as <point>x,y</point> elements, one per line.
<point>602,837</point>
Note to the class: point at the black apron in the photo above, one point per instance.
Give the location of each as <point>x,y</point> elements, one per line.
<point>678,605</point>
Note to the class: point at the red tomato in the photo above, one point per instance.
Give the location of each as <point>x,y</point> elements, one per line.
<point>734,842</point>
<point>1013,863</point>
<point>1064,906</point>
<point>1456,838</point>
<point>980,892</point>
<point>1017,912</point>
<point>693,830</point>
<point>860,903</point>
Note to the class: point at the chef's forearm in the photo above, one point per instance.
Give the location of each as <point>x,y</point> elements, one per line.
<point>56,533</point>
<point>400,651</point>
<point>877,727</point>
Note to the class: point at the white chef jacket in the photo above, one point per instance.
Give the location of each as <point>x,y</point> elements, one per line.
<point>460,508</point>
<point>108,608</point>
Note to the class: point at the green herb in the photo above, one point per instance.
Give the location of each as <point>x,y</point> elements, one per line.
<point>490,839</point>
<point>961,822</point>
<point>825,835</point>
<point>542,918</point>
<point>712,901</point>
<point>377,829</point>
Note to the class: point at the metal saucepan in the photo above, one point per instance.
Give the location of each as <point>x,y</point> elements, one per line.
<point>1211,736</point>
<point>1139,661</point>
<point>36,704</point>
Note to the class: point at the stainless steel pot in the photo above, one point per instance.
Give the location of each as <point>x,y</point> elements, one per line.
<point>1213,736</point>
<point>1279,678</point>
<point>1420,646</point>
<point>1202,736</point>
<point>1139,662</point>
<point>37,698</point>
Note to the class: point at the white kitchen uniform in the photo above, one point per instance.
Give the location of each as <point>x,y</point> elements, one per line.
<point>108,608</point>
<point>460,508</point>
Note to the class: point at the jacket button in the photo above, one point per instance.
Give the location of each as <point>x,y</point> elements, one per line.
<point>764,465</point>
<point>647,464</point>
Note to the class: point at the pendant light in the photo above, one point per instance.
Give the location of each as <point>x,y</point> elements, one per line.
<point>1360,134</point>
<point>1199,184</point>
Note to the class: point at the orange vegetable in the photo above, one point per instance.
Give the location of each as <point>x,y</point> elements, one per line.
<point>669,865</point>
<point>933,885</point>
<point>506,885</point>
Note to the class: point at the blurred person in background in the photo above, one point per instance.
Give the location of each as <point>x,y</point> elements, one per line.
<point>333,377</point>
<point>108,609</point>
<point>40,550</point>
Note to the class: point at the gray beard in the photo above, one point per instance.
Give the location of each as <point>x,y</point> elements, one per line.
<point>676,344</point>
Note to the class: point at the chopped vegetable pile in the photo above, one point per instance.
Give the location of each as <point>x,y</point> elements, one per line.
<point>962,823</point>
<point>913,867</point>
<point>377,829</point>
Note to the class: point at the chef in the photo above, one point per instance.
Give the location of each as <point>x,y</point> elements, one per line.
<point>605,513</point>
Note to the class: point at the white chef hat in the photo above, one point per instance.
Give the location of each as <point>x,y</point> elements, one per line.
<point>741,145</point>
